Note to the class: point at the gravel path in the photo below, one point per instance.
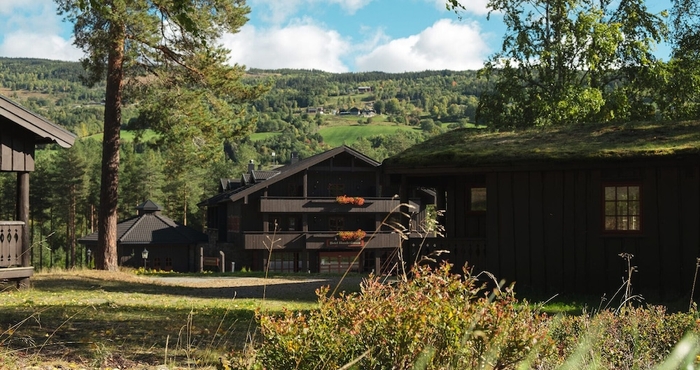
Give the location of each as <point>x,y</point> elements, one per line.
<point>295,288</point>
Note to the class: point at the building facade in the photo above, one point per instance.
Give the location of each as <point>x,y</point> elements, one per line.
<point>327,213</point>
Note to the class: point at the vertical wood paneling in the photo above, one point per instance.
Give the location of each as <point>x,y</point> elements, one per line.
<point>553,226</point>
<point>505,225</point>
<point>669,232</point>
<point>521,221</point>
<point>689,200</point>
<point>452,212</point>
<point>581,230</point>
<point>537,260</point>
<point>648,258</point>
<point>569,227</point>
<point>462,207</point>
<point>493,233</point>
<point>595,271</point>
<point>6,153</point>
<point>18,152</point>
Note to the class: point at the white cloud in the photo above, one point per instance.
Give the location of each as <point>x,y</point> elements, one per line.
<point>299,46</point>
<point>32,29</point>
<point>444,45</point>
<point>35,45</point>
<point>277,11</point>
<point>475,7</point>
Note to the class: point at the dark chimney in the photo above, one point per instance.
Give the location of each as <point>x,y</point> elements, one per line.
<point>251,166</point>
<point>295,157</point>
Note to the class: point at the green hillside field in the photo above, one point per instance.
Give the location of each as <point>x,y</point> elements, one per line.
<point>339,135</point>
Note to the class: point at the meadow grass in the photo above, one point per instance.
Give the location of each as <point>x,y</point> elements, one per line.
<point>118,319</point>
<point>339,135</point>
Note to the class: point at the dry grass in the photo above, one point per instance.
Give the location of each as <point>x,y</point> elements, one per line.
<point>101,319</point>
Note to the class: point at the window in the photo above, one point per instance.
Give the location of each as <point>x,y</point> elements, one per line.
<point>335,190</point>
<point>477,200</point>
<point>283,262</point>
<point>168,264</point>
<point>622,208</point>
<point>336,223</point>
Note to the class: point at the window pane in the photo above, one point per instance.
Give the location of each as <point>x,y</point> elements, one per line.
<point>633,192</point>
<point>622,223</point>
<point>610,223</point>
<point>634,208</point>
<point>610,208</point>
<point>621,193</point>
<point>634,223</point>
<point>621,208</point>
<point>609,193</point>
<point>478,199</point>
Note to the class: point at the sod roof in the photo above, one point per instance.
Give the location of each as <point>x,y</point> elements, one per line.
<point>563,144</point>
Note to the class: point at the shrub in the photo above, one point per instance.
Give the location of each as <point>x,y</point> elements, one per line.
<point>438,317</point>
<point>343,199</point>
<point>351,235</point>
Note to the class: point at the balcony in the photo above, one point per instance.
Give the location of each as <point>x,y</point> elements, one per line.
<point>279,240</point>
<point>328,205</point>
<point>11,243</point>
<point>327,239</point>
<point>317,240</point>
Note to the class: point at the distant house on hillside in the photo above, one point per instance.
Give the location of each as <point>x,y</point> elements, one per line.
<point>314,110</point>
<point>170,246</point>
<point>364,89</point>
<point>553,209</point>
<point>20,132</point>
<point>317,214</point>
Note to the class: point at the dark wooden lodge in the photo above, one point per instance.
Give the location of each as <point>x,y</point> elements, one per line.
<point>171,246</point>
<point>20,132</point>
<point>293,212</point>
<point>553,209</point>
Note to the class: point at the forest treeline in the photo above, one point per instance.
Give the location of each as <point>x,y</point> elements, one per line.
<point>65,186</point>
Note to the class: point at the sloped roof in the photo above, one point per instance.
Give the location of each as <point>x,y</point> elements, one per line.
<point>151,228</point>
<point>44,131</point>
<point>282,173</point>
<point>587,143</point>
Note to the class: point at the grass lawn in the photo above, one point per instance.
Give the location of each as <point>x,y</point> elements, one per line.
<point>339,135</point>
<point>99,319</point>
<point>127,136</point>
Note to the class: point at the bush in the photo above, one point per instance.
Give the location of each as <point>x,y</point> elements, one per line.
<point>436,318</point>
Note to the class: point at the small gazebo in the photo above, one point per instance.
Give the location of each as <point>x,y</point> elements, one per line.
<point>20,132</point>
<point>154,241</point>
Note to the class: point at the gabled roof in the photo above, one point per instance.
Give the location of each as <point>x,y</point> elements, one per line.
<point>566,145</point>
<point>282,173</point>
<point>151,227</point>
<point>44,131</point>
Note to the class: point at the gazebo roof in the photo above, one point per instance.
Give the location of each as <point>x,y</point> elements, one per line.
<point>150,227</point>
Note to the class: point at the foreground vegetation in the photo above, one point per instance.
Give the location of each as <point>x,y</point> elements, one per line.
<point>434,320</point>
<point>438,320</point>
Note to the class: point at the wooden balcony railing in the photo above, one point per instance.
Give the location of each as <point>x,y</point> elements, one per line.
<point>11,243</point>
<point>316,240</point>
<point>316,205</point>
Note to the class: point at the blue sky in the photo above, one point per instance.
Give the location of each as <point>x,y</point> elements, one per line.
<point>330,35</point>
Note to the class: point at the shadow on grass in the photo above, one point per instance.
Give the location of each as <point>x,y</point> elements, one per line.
<point>303,290</point>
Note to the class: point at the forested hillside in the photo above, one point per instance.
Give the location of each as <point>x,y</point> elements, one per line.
<point>305,112</point>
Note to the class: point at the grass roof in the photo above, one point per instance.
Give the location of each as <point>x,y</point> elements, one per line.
<point>575,143</point>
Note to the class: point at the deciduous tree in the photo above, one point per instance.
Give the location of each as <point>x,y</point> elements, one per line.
<point>562,60</point>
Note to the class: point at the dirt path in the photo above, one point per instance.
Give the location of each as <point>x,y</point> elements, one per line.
<point>296,288</point>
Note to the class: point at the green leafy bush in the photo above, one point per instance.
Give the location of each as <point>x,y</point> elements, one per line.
<point>436,318</point>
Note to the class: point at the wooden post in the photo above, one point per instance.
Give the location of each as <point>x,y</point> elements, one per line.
<point>23,215</point>
<point>223,261</point>
<point>201,259</point>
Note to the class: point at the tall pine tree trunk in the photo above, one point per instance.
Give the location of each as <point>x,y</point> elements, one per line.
<point>106,258</point>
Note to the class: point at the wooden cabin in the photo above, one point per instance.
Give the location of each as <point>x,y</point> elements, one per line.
<point>557,209</point>
<point>305,216</point>
<point>170,246</point>
<point>20,132</point>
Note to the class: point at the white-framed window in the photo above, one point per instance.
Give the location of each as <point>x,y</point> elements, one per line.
<point>622,208</point>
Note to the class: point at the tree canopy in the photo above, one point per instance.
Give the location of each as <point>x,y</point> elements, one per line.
<point>149,45</point>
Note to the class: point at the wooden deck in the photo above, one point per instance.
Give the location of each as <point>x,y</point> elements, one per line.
<point>11,268</point>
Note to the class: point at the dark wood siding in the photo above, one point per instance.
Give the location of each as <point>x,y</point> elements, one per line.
<point>16,151</point>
